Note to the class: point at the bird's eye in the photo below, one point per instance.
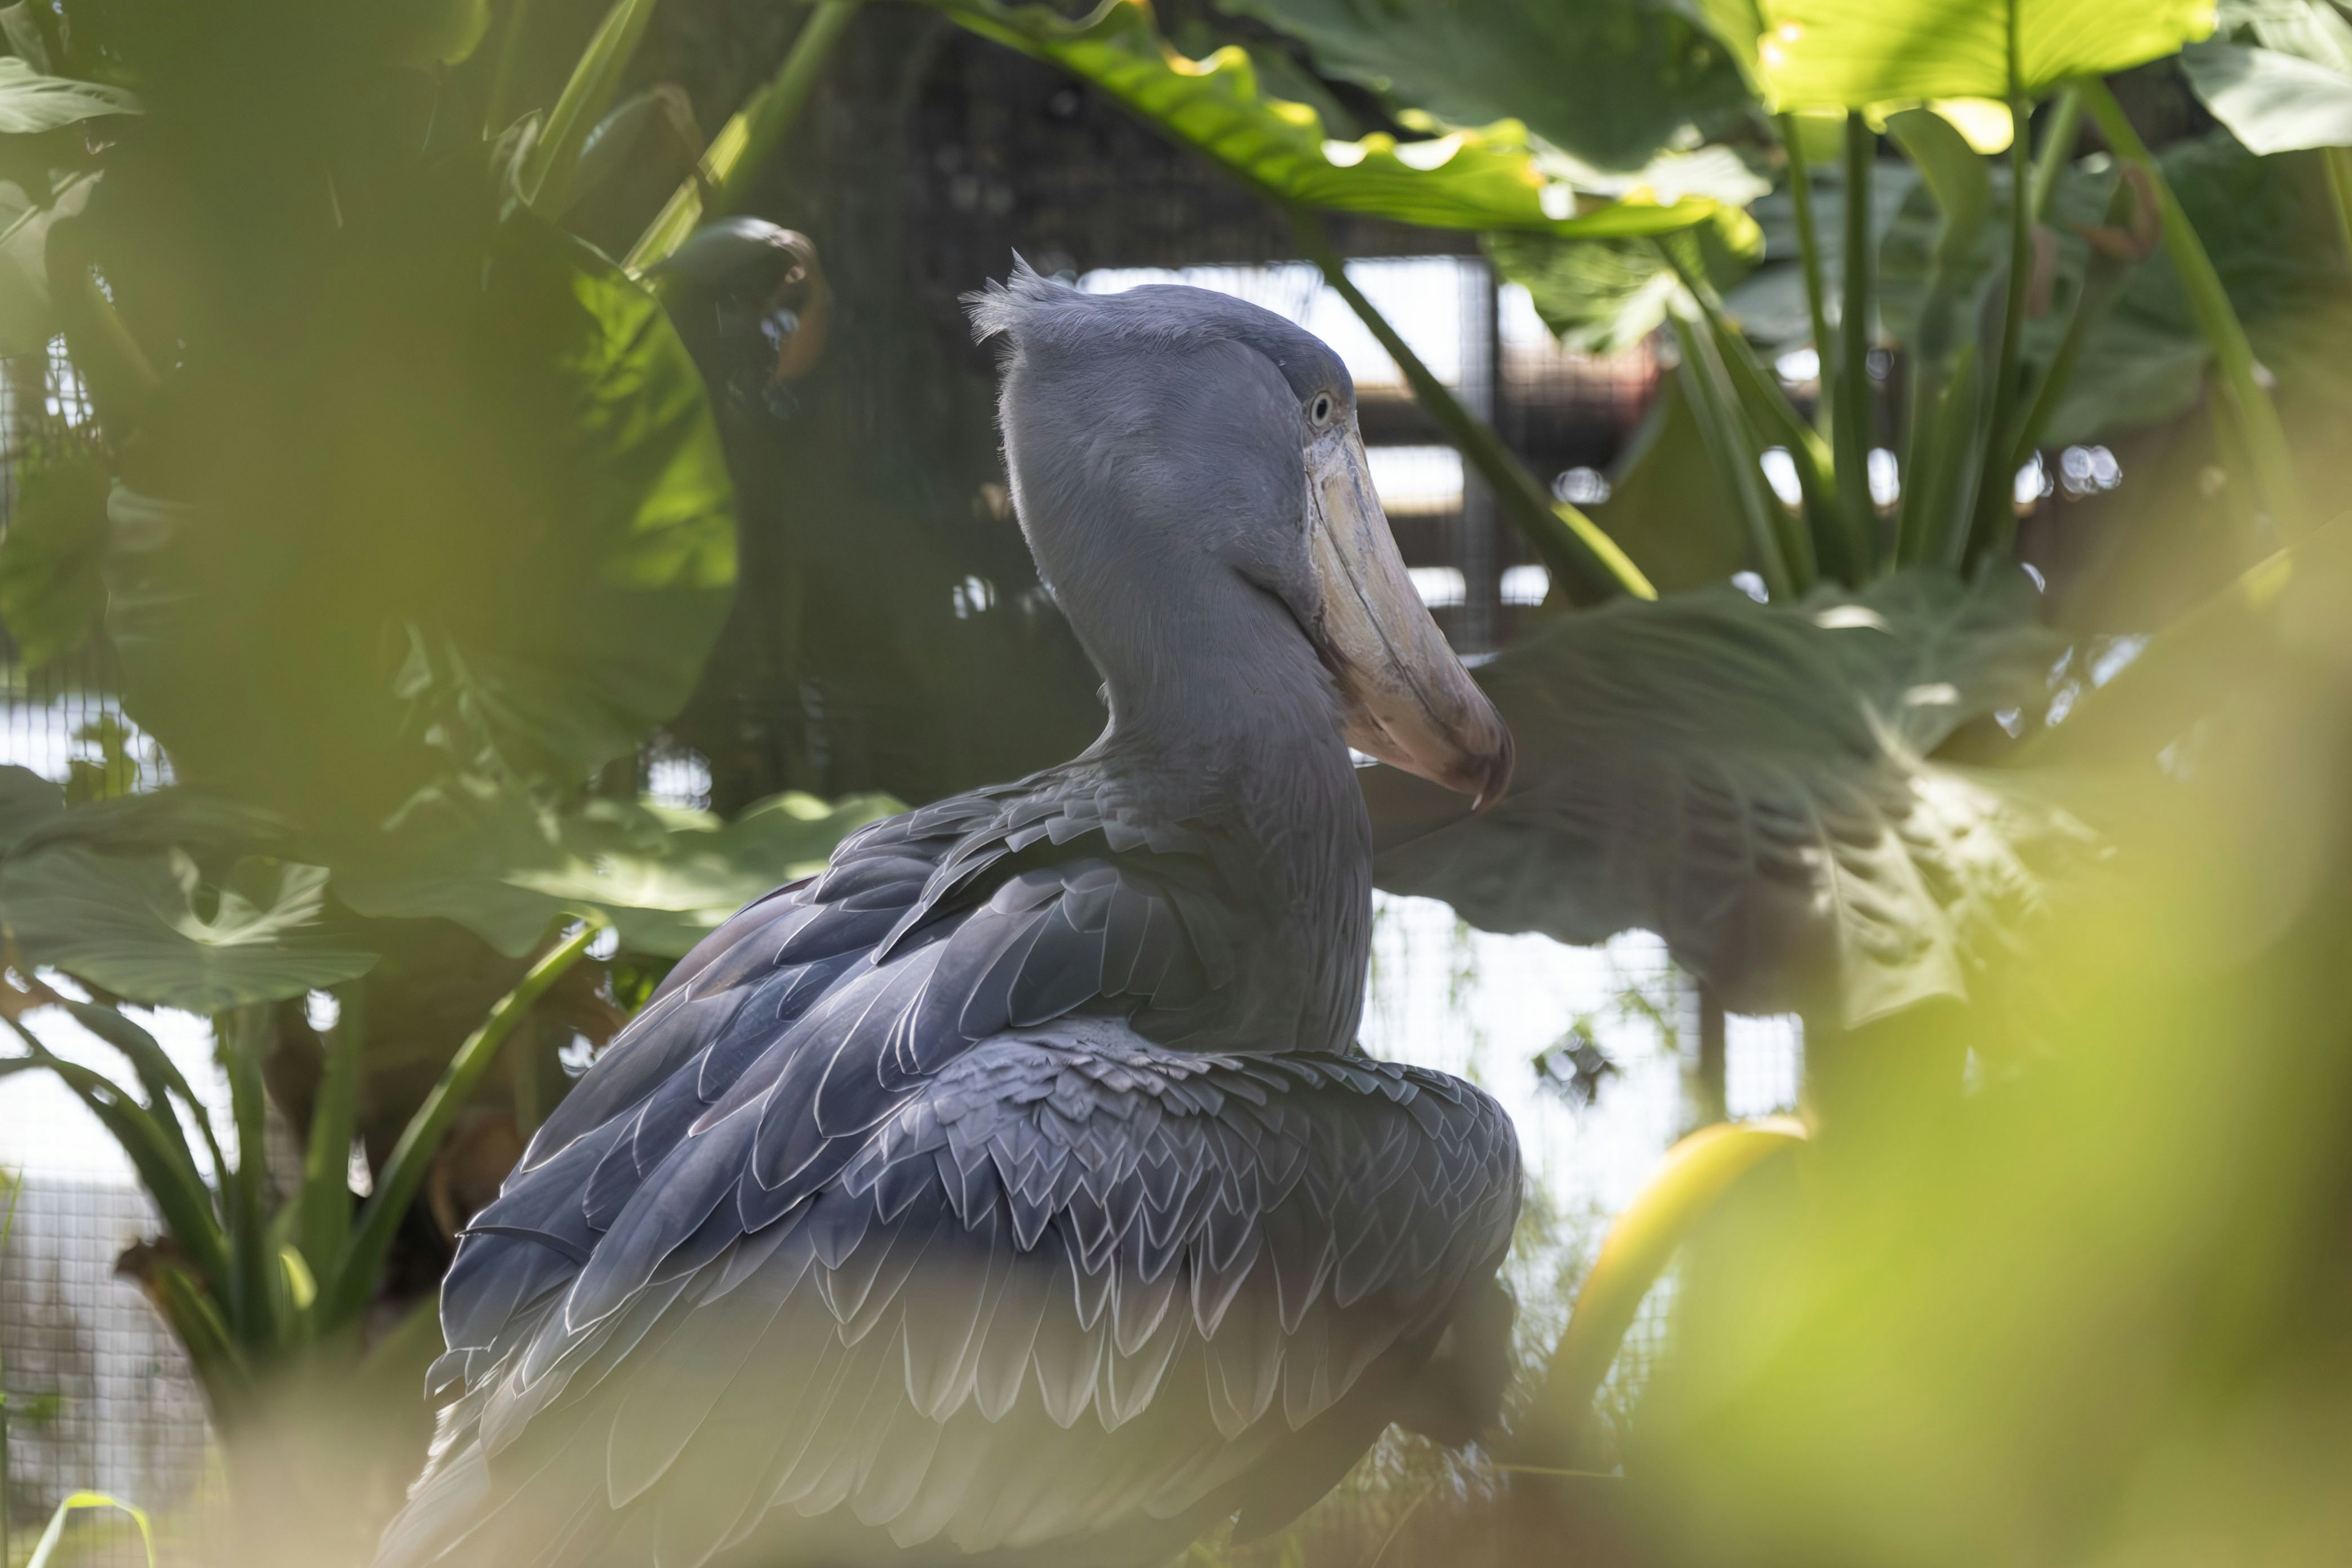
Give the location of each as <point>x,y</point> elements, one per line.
<point>1319,411</point>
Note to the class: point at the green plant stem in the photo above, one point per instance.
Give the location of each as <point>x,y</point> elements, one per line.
<point>769,118</point>
<point>1585,561</point>
<point>1995,484</point>
<point>1809,248</point>
<point>1852,423</point>
<point>553,161</point>
<point>1761,516</point>
<point>1697,1175</point>
<point>326,1218</point>
<point>2057,148</point>
<point>252,1293</point>
<point>723,180</point>
<point>344,1294</point>
<point>2272,459</point>
<point>499,112</point>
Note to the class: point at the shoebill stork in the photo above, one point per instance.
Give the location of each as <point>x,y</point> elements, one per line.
<point>1015,1190</point>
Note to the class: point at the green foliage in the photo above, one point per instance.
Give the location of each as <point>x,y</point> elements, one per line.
<point>29,317</point>
<point>1473,179</point>
<point>1752,783</point>
<point>665,878</point>
<point>532,541</point>
<point>2270,100</point>
<point>1613,82</point>
<point>31,103</point>
<point>1858,53</point>
<point>53,555</point>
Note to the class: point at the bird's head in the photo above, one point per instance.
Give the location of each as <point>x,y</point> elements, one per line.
<point>1190,476</point>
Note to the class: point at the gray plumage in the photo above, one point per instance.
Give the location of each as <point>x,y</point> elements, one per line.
<point>1014,1189</point>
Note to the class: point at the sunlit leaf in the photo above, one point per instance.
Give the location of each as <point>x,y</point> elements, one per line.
<point>1752,783</point>
<point>1466,179</point>
<point>1858,53</point>
<point>31,103</point>
<point>1610,80</point>
<point>2273,102</point>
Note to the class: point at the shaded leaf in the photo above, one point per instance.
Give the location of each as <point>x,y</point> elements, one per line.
<point>28,802</point>
<point>28,318</point>
<point>1666,504</point>
<point>139,926</point>
<point>2268,225</point>
<point>1466,179</point>
<point>53,557</point>
<point>1611,81</point>
<point>1859,53</point>
<point>31,103</point>
<point>1750,782</point>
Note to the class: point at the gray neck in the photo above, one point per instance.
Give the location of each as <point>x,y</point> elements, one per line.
<point>1220,709</point>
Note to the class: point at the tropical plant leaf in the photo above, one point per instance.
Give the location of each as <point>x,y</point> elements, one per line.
<point>2268,225</point>
<point>28,803</point>
<point>1769,304</point>
<point>139,926</point>
<point>53,557</point>
<point>1860,53</point>
<point>31,103</point>
<point>532,545</point>
<point>2272,101</point>
<point>1752,783</point>
<point>1466,179</point>
<point>665,878</point>
<point>1599,296</point>
<point>1666,504</point>
<point>1611,81</point>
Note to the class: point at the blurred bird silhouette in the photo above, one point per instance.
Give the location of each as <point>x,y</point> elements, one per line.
<point>1016,1190</point>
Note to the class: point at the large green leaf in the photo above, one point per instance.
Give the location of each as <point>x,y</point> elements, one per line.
<point>2273,101</point>
<point>31,103</point>
<point>1752,783</point>
<point>666,877</point>
<point>481,520</point>
<point>147,927</point>
<point>2269,227</point>
<point>1857,53</point>
<point>1611,81</point>
<point>156,898</point>
<point>1466,179</point>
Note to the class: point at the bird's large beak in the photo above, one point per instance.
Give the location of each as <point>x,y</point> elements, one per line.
<point>1410,700</point>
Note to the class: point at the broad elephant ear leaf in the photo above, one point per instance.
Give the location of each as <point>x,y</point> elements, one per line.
<point>31,103</point>
<point>665,878</point>
<point>147,927</point>
<point>1752,783</point>
<point>1611,81</point>
<point>1858,53</point>
<point>1464,180</point>
<point>533,539</point>
<point>2270,100</point>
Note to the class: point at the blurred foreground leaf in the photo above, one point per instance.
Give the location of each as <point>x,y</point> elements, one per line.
<point>1752,783</point>
<point>482,521</point>
<point>31,103</point>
